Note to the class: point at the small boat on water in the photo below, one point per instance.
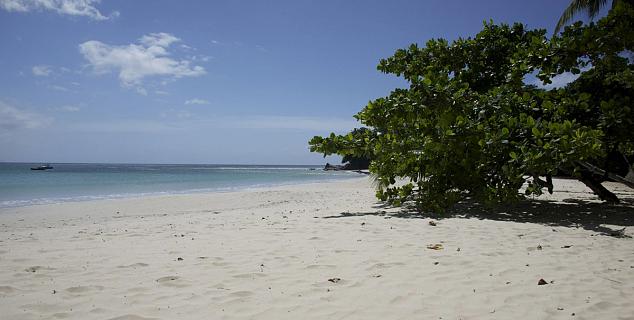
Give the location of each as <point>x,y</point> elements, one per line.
<point>42,167</point>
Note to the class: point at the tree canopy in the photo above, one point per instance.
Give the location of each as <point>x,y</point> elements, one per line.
<point>475,122</point>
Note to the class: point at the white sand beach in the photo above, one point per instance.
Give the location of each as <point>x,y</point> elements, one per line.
<point>317,251</point>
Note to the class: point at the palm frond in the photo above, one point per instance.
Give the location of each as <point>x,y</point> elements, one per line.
<point>592,8</point>
<point>376,182</point>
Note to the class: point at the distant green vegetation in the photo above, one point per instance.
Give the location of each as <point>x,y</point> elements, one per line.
<point>471,123</point>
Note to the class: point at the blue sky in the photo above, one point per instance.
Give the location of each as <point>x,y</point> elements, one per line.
<point>244,82</point>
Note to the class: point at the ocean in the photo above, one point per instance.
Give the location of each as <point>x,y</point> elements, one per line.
<point>20,186</point>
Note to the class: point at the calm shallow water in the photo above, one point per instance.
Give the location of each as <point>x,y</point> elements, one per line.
<point>20,186</point>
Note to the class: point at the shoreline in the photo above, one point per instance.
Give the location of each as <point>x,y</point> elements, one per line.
<point>90,198</point>
<point>315,251</point>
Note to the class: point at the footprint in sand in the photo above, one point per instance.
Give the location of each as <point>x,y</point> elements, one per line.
<point>172,281</point>
<point>380,265</point>
<point>135,265</point>
<point>331,282</point>
<point>320,266</point>
<point>217,261</point>
<point>249,275</point>
<point>131,317</point>
<point>98,311</point>
<point>166,279</point>
<point>42,308</point>
<point>343,251</point>
<point>61,315</point>
<point>242,294</point>
<point>84,289</point>
<point>132,235</point>
<point>34,269</point>
<point>7,289</point>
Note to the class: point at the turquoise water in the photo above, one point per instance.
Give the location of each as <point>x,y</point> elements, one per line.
<point>20,186</point>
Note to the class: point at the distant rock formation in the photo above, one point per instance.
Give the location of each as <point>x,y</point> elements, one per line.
<point>350,163</point>
<point>336,167</point>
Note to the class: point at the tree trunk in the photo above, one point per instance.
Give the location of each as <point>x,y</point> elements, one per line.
<point>598,189</point>
<point>630,175</point>
<point>544,184</point>
<point>598,171</point>
<point>549,181</point>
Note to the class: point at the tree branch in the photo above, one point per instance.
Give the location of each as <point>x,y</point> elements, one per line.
<point>598,171</point>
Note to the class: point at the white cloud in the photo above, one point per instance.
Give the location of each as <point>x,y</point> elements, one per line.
<point>141,91</point>
<point>84,8</point>
<point>201,58</point>
<point>58,88</point>
<point>160,39</point>
<point>41,70</point>
<point>12,118</point>
<point>134,62</point>
<point>196,101</point>
<point>558,81</point>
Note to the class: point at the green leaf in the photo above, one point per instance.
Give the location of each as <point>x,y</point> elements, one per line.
<point>536,131</point>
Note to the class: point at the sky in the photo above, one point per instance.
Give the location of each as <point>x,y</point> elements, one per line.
<point>219,82</point>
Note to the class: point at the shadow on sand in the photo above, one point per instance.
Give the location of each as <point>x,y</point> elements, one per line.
<point>610,220</point>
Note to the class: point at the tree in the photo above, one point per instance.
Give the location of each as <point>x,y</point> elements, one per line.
<point>469,125</point>
<point>592,8</point>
